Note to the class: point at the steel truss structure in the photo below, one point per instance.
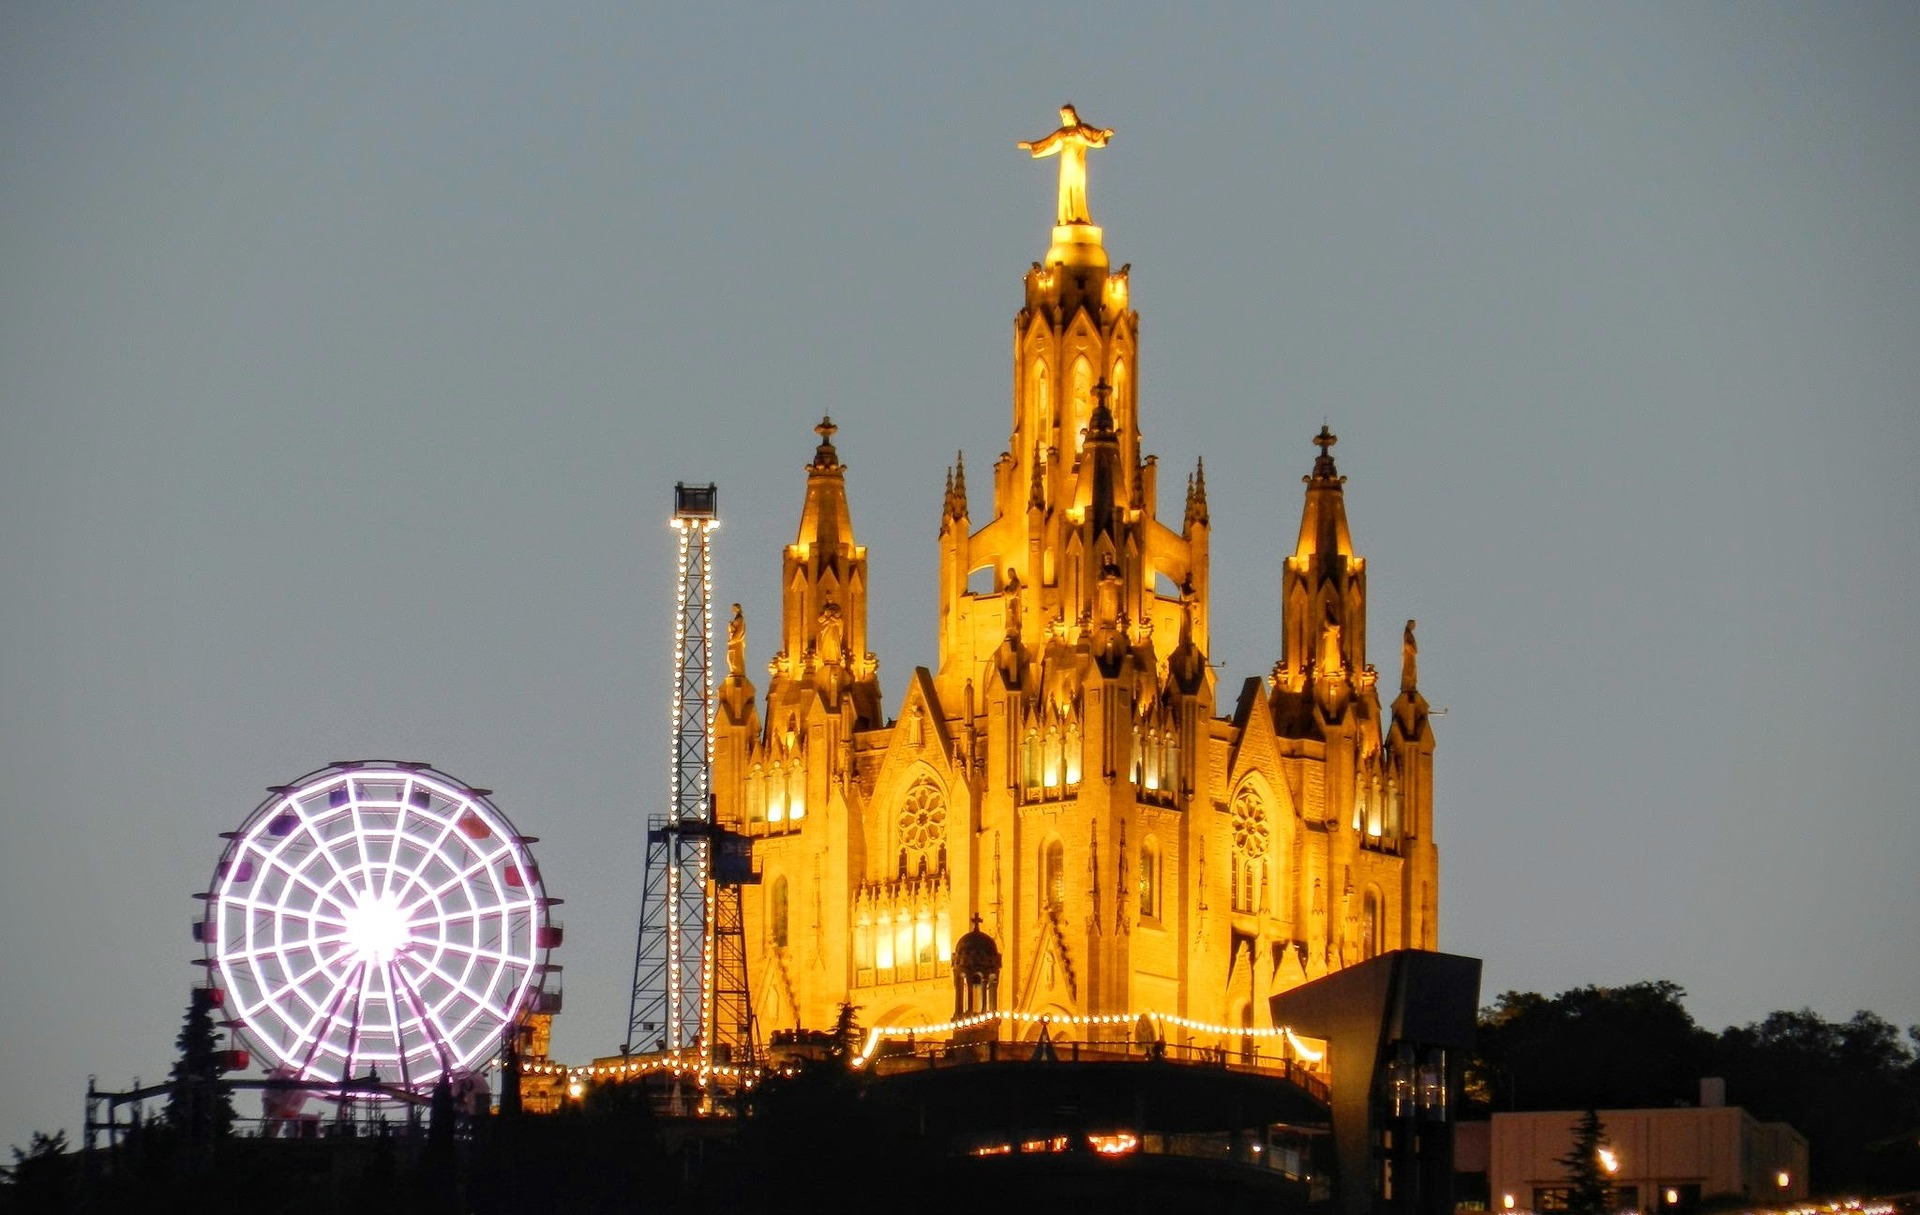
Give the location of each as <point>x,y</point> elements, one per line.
<point>670,955</point>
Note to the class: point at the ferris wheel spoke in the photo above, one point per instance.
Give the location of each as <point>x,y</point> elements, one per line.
<point>429,1024</point>
<point>298,878</point>
<point>484,954</point>
<point>483,863</point>
<point>310,1032</point>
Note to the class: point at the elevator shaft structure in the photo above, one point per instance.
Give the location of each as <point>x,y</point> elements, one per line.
<point>670,961</point>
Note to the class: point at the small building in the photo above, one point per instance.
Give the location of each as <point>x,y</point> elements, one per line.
<point>1661,1160</point>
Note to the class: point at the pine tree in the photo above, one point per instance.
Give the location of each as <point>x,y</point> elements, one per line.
<point>1587,1176</point>
<point>200,1105</point>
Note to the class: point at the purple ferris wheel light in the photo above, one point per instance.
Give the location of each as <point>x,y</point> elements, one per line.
<point>377,918</point>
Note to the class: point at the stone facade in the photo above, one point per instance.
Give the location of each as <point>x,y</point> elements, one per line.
<point>1059,776</point>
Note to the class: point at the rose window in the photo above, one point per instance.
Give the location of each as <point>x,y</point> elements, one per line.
<point>1249,825</point>
<point>923,818</point>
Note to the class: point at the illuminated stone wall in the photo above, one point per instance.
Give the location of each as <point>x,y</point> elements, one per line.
<point>1060,772</point>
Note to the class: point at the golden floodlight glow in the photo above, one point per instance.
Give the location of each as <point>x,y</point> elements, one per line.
<point>1611,1161</point>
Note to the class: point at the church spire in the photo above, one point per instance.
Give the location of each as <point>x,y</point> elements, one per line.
<point>824,613</point>
<point>1323,604</point>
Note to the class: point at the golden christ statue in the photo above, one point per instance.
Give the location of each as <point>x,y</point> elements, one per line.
<point>1071,141</point>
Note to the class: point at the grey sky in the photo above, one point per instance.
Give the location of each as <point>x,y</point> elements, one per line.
<point>348,356</point>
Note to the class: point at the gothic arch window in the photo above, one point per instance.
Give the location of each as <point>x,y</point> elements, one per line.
<point>923,826</point>
<point>775,783</point>
<point>883,942</point>
<point>1149,879</point>
<point>1042,398</point>
<point>757,795</point>
<point>1118,380</point>
<point>779,916</point>
<point>1250,838</point>
<point>1030,758</point>
<point>923,936</point>
<point>903,937</point>
<point>796,792</point>
<point>863,940</point>
<point>1053,876</point>
<point>1372,923</point>
<point>1082,400</point>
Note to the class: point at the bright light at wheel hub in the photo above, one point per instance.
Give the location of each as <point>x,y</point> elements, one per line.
<point>376,928</point>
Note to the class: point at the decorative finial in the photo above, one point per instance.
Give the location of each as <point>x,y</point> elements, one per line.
<point>824,456</point>
<point>1323,469</point>
<point>1100,422</point>
<point>1071,142</point>
<point>1197,494</point>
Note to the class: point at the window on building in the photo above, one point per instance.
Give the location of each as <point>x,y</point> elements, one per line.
<point>1149,879</point>
<point>923,827</point>
<point>1053,880</point>
<point>1249,850</point>
<point>863,941</point>
<point>780,913</point>
<point>1370,923</point>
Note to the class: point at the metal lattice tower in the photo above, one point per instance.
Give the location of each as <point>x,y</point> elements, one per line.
<point>669,961</point>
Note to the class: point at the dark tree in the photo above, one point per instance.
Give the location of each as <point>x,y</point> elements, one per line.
<point>1586,1174</point>
<point>200,1103</point>
<point>1851,1087</point>
<point>43,1178</point>
<point>1629,1047</point>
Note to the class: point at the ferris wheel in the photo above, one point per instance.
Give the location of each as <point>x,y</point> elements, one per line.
<point>378,918</point>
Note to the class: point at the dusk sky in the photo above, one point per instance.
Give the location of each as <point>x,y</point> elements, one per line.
<point>349,354</point>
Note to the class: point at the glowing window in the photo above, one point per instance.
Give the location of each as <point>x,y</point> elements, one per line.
<point>796,792</point>
<point>863,941</point>
<point>883,943</point>
<point>903,938</point>
<point>776,795</point>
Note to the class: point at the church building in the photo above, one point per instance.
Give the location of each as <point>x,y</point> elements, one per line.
<point>1055,796</point>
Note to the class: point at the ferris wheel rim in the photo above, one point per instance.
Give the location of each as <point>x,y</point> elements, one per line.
<point>403,925</point>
